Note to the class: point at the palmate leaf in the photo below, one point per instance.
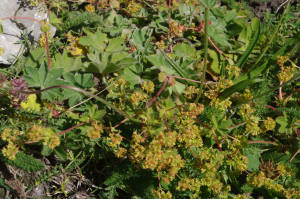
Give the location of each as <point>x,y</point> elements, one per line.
<point>95,40</point>
<point>83,81</point>
<point>67,62</point>
<point>43,78</point>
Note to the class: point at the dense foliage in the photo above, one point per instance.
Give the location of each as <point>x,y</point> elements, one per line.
<point>174,99</point>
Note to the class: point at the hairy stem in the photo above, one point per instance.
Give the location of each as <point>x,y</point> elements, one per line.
<point>205,54</point>
<point>83,91</point>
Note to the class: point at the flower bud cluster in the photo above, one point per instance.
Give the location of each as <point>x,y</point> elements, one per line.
<point>193,184</point>
<point>19,85</point>
<point>190,91</point>
<point>48,135</point>
<point>137,97</point>
<point>161,44</point>
<point>42,39</point>
<point>252,125</point>
<point>161,194</point>
<point>148,86</point>
<point>287,72</point>
<point>158,155</point>
<point>247,95</point>
<point>195,109</point>
<point>115,139</point>
<point>233,70</point>
<point>134,7</point>
<point>223,83</point>
<point>245,110</point>
<point>260,179</point>
<point>11,136</point>
<point>175,29</point>
<point>268,124</point>
<point>95,131</point>
<point>222,105</point>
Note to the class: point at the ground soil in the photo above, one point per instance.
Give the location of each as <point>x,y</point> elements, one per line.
<point>258,8</point>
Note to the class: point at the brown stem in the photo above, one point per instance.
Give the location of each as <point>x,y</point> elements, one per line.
<point>271,107</point>
<point>159,92</point>
<point>293,157</point>
<point>73,127</point>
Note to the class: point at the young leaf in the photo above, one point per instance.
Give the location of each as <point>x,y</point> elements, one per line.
<point>67,62</point>
<point>43,78</point>
<point>60,152</point>
<point>96,40</point>
<point>46,151</point>
<point>83,81</point>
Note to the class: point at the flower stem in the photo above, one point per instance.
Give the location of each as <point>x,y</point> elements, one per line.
<point>205,54</point>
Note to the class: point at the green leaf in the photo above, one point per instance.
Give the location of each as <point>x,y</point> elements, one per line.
<point>96,40</point>
<point>45,28</point>
<point>96,114</point>
<point>180,71</point>
<point>34,59</point>
<point>237,87</point>
<point>43,78</point>
<point>116,45</point>
<point>83,81</point>
<point>46,151</point>
<point>209,3</point>
<point>131,77</point>
<point>286,123</point>
<point>253,155</point>
<point>1,28</point>
<point>53,19</point>
<point>67,62</point>
<point>60,152</point>
<point>185,49</point>
<point>255,23</point>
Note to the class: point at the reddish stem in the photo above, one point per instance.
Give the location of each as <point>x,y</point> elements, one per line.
<point>73,127</point>
<point>199,121</point>
<point>124,121</point>
<point>271,107</point>
<point>293,157</point>
<point>193,153</point>
<point>159,92</point>
<point>192,80</point>
<point>236,125</point>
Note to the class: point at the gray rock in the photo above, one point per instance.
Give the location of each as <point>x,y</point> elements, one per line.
<point>12,30</point>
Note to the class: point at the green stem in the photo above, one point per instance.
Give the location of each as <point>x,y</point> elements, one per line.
<point>85,92</point>
<point>205,54</point>
<point>273,35</point>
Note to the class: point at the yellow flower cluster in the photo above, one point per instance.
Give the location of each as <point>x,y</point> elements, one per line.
<point>49,137</point>
<point>95,131</point>
<point>233,70</point>
<point>175,29</point>
<point>260,179</point>
<point>148,86</point>
<point>12,148</point>
<point>161,44</point>
<point>137,97</point>
<point>90,8</point>
<point>42,39</point>
<point>134,7</point>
